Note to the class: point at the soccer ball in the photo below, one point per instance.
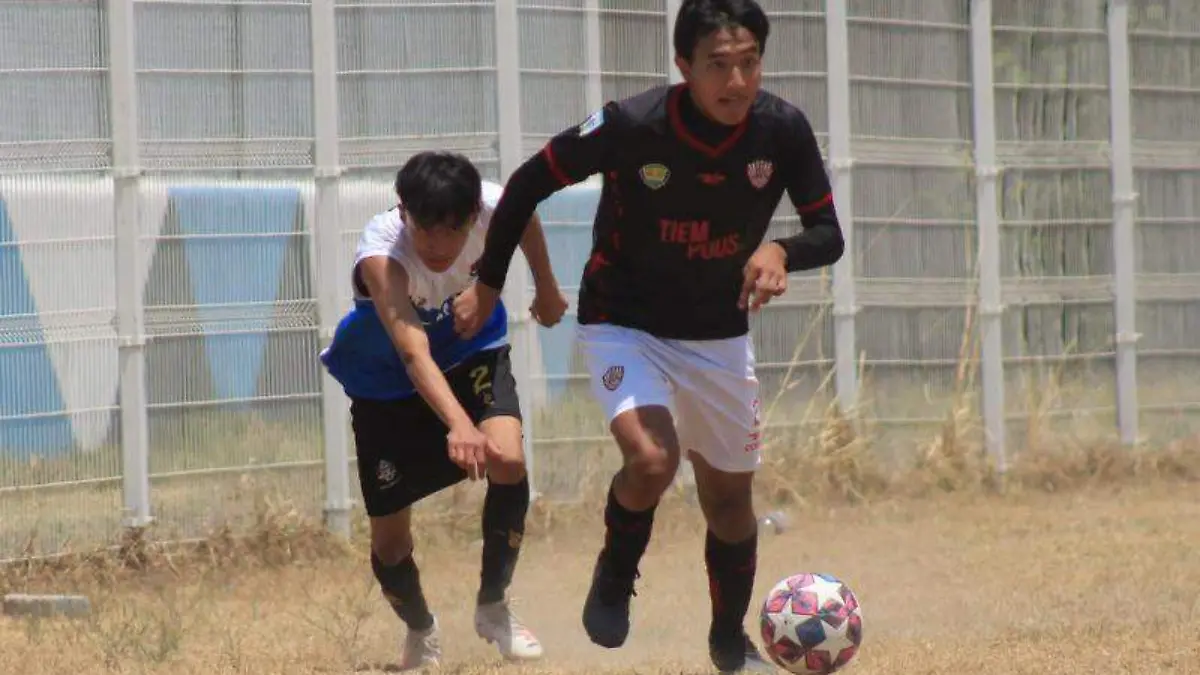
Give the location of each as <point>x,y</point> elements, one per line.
<point>811,623</point>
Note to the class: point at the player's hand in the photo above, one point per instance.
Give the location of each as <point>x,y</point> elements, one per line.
<point>470,448</point>
<point>549,305</point>
<point>472,308</point>
<point>765,277</point>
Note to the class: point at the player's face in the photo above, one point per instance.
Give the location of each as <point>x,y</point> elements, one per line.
<point>724,74</point>
<point>440,245</point>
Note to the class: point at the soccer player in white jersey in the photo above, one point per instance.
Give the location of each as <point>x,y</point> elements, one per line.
<point>429,408</point>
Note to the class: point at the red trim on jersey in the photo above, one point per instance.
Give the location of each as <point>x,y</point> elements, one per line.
<point>686,136</point>
<point>554,168</point>
<point>819,204</point>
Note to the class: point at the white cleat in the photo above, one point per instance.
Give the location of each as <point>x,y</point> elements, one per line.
<point>422,649</point>
<point>497,624</point>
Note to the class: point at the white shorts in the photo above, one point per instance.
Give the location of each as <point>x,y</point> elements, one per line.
<point>708,385</point>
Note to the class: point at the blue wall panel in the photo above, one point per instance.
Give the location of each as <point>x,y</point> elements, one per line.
<point>235,270</point>
<point>569,247</point>
<point>28,384</point>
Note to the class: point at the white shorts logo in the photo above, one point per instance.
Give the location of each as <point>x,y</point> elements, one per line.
<point>754,438</point>
<point>612,377</point>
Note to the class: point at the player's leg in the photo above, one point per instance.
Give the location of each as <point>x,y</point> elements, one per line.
<point>720,427</point>
<point>401,450</point>
<point>400,580</point>
<point>490,393</point>
<point>636,397</point>
<point>504,509</point>
<point>730,558</point>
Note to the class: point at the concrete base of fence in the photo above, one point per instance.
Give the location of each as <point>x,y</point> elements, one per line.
<point>18,604</point>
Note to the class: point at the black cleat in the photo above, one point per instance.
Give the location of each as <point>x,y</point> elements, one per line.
<point>737,654</point>
<point>606,612</point>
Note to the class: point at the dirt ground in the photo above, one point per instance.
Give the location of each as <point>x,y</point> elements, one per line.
<point>1098,581</point>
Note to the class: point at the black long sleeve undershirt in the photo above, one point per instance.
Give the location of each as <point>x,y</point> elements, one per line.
<point>820,243</point>
<point>533,182</point>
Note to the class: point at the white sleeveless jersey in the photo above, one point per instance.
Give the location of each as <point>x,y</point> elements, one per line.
<point>431,292</point>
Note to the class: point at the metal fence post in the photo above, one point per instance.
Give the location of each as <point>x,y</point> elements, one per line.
<point>516,291</point>
<point>1124,206</point>
<point>845,306</point>
<point>131,330</point>
<point>987,172</point>
<point>672,9</point>
<point>326,254</point>
<point>594,93</point>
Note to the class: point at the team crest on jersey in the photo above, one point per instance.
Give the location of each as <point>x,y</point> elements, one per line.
<point>655,175</point>
<point>612,377</point>
<point>760,172</point>
<point>592,123</point>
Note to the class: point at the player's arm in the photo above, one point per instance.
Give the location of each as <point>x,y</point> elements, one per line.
<point>549,304</point>
<point>387,284</point>
<point>533,245</point>
<point>820,242</point>
<point>569,158</point>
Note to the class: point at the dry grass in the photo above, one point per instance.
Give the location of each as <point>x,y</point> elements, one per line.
<point>1085,560</point>
<point>1080,559</point>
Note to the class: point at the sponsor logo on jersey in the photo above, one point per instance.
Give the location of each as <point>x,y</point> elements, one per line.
<point>655,175</point>
<point>592,123</point>
<point>760,172</point>
<point>612,377</point>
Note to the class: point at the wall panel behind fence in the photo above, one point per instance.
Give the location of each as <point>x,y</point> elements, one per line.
<point>914,210</point>
<point>1052,111</point>
<point>1165,69</point>
<point>231,376</point>
<point>59,463</point>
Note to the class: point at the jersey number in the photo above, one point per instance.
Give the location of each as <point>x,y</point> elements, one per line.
<point>482,385</point>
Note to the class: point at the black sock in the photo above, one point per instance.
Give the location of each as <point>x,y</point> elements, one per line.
<point>401,584</point>
<point>504,509</point>
<point>731,569</point>
<point>627,535</point>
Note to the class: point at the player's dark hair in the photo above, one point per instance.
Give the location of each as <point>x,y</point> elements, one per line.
<point>697,19</point>
<point>439,188</point>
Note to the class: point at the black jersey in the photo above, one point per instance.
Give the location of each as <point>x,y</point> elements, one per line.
<point>685,203</point>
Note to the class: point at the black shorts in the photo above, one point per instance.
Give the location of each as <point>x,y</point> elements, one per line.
<point>403,455</point>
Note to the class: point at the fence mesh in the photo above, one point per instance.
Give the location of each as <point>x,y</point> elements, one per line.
<point>227,217</point>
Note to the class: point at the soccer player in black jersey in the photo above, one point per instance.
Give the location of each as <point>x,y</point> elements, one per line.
<point>693,174</point>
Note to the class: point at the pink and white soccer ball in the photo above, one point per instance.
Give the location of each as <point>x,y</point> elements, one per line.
<point>811,623</point>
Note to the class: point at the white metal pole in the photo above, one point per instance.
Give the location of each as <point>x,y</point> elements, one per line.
<point>845,307</point>
<point>1124,207</point>
<point>595,64</point>
<point>987,172</point>
<point>685,475</point>
<point>672,10</point>
<point>516,292</point>
<point>131,332</point>
<point>326,254</point>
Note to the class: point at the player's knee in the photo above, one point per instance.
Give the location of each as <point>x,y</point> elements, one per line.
<point>652,467</point>
<point>650,446</point>
<point>507,464</point>
<point>507,469</point>
<point>730,513</point>
<point>391,538</point>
